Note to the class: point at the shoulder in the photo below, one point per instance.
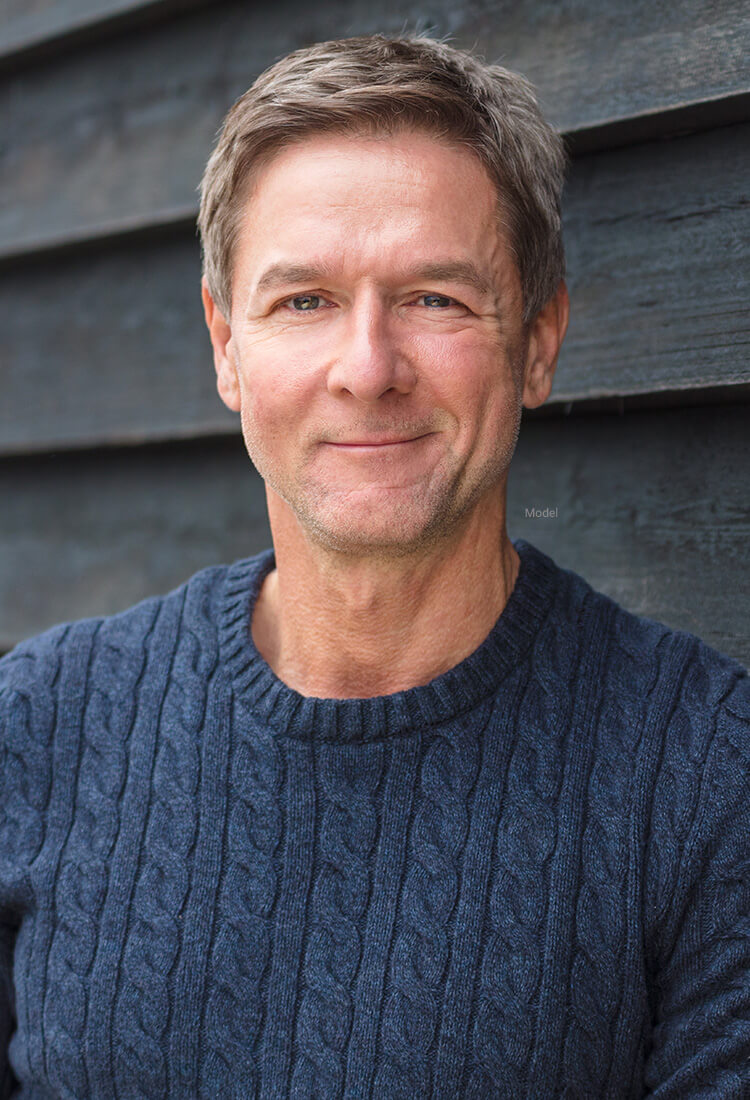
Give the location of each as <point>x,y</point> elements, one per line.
<point>642,656</point>
<point>667,702</point>
<point>111,647</point>
<point>699,675</point>
<point>683,690</point>
<point>675,712</point>
<point>686,707</point>
<point>684,678</point>
<point>77,691</point>
<point>655,692</point>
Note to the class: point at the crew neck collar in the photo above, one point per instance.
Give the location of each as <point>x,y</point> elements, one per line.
<point>451,693</point>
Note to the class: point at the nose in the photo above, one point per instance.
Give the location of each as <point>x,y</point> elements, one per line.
<point>370,363</point>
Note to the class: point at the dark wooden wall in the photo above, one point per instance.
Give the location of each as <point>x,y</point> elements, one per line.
<point>121,472</point>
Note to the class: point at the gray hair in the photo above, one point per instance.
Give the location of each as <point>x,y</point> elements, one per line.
<point>374,85</point>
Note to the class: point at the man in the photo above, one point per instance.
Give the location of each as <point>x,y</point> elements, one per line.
<point>399,808</point>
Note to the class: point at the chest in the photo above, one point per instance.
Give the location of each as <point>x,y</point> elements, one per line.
<point>448,917</point>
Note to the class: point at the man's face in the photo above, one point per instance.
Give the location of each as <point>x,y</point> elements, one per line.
<point>375,349</point>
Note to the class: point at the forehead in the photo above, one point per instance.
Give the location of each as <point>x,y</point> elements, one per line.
<point>341,173</point>
<point>373,200</point>
<point>411,151</point>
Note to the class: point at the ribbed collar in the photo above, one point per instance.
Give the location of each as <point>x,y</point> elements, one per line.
<point>351,720</point>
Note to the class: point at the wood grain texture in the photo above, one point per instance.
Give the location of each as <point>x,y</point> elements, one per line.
<point>108,345</point>
<point>34,29</point>
<point>32,21</point>
<point>652,509</point>
<point>93,532</point>
<point>104,138</point>
<point>658,267</point>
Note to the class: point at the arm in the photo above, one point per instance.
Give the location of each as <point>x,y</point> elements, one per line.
<point>7,1080</point>
<point>7,999</point>
<point>701,1024</point>
<point>30,678</point>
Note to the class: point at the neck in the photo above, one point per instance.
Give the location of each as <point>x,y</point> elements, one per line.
<point>336,626</point>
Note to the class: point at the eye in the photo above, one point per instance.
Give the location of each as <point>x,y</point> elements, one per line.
<point>438,301</point>
<point>303,303</point>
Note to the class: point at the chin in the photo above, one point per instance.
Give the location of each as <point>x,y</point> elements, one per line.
<point>361,545</point>
<point>392,532</point>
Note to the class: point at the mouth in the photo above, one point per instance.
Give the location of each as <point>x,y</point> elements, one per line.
<point>378,441</point>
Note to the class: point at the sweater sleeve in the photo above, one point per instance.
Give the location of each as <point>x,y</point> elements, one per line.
<point>26,721</point>
<point>7,1080</point>
<point>701,1025</point>
<point>7,933</point>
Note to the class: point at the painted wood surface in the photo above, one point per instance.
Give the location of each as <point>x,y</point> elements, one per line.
<point>34,29</point>
<point>109,110</point>
<point>108,344</point>
<point>112,135</point>
<point>652,508</point>
<point>95,531</point>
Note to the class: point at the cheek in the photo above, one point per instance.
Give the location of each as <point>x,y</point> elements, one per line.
<point>273,408</point>
<point>256,408</point>
<point>467,374</point>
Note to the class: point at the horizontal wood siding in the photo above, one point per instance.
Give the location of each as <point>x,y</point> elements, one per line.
<point>657,240</point>
<point>110,108</point>
<point>34,29</point>
<point>108,344</point>
<point>125,143</point>
<point>91,532</point>
<point>652,509</point>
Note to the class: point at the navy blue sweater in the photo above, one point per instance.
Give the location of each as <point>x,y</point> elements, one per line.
<point>527,878</point>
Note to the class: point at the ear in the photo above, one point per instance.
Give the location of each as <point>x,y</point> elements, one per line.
<point>219,329</point>
<point>547,331</point>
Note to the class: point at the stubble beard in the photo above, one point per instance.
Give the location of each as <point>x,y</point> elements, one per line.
<point>446,514</point>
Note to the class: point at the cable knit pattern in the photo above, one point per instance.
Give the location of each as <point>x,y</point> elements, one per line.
<point>599,968</point>
<point>82,877</point>
<point>28,714</point>
<point>348,828</point>
<point>527,878</point>
<point>142,1009</point>
<point>524,842</point>
<point>244,934</point>
<point>421,948</point>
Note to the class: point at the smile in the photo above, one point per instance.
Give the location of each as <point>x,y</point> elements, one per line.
<point>376,444</point>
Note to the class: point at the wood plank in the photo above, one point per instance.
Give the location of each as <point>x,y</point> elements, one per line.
<point>32,21</point>
<point>652,509</point>
<point>33,29</point>
<point>657,302</point>
<point>107,344</point>
<point>599,64</point>
<point>101,140</point>
<point>92,532</point>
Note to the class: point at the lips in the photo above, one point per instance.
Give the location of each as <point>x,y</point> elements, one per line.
<point>376,441</point>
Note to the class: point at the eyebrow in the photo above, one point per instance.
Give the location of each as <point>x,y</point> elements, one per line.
<point>452,271</point>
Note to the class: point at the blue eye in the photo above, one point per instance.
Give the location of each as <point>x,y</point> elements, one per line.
<point>432,298</point>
